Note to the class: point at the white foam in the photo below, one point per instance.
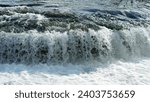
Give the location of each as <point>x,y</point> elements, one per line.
<point>119,72</point>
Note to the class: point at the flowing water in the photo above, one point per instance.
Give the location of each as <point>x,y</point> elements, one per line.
<point>74,42</point>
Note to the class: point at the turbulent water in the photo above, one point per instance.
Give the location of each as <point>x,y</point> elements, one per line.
<point>81,42</point>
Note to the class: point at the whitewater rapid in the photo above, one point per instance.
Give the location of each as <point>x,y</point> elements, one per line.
<point>127,63</point>
<point>74,42</point>
<point>74,46</point>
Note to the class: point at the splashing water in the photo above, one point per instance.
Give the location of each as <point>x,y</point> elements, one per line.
<point>41,41</point>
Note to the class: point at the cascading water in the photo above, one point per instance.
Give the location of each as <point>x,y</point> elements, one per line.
<point>73,46</point>
<point>42,34</point>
